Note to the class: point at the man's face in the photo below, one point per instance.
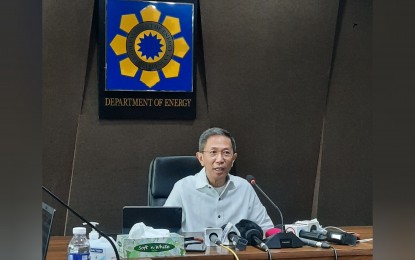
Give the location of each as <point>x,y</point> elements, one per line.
<point>217,158</point>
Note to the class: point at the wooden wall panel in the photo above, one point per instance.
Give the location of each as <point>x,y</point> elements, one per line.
<point>66,32</point>
<point>263,75</point>
<point>267,65</point>
<point>345,194</point>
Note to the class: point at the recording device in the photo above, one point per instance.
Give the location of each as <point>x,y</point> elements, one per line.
<point>199,247</point>
<point>84,220</point>
<point>212,236</point>
<point>252,233</point>
<point>232,236</point>
<point>313,235</point>
<point>341,238</point>
<point>338,237</point>
<point>192,244</point>
<point>282,239</point>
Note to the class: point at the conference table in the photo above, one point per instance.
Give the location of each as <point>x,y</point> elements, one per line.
<point>361,251</point>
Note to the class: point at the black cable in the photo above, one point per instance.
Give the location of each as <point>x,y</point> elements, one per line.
<point>84,220</point>
<point>335,252</point>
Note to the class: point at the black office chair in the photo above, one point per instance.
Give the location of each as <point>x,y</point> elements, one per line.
<point>163,174</point>
<point>165,171</point>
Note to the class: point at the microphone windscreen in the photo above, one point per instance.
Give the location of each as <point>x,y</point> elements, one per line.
<point>272,231</point>
<point>250,179</point>
<point>244,225</point>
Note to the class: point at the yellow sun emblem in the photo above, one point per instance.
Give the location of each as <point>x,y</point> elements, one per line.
<point>150,46</point>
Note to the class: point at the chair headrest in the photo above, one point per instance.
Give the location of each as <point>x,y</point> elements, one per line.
<point>165,171</point>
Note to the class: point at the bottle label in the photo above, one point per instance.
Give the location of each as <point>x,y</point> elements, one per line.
<point>84,256</point>
<point>96,250</point>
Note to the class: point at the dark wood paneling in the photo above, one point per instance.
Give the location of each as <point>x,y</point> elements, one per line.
<point>345,196</point>
<point>267,66</point>
<point>66,31</point>
<point>112,157</point>
<point>264,76</point>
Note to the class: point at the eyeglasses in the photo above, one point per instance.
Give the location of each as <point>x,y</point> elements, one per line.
<point>213,154</point>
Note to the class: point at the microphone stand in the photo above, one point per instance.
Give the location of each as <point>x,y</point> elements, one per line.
<point>278,240</point>
<point>272,203</point>
<point>84,220</point>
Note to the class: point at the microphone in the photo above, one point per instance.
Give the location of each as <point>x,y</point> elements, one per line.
<point>231,235</point>
<point>313,243</point>
<point>252,233</point>
<point>212,236</point>
<point>282,239</point>
<point>84,220</point>
<point>251,180</point>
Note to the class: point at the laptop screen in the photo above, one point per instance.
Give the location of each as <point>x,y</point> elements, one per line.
<point>152,216</point>
<point>47,219</point>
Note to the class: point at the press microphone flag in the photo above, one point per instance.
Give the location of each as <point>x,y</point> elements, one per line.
<point>232,236</point>
<point>282,239</point>
<point>212,236</point>
<point>84,220</point>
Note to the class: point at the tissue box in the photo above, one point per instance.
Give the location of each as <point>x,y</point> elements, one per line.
<point>150,247</point>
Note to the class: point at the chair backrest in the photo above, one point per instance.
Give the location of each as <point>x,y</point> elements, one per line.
<point>163,174</point>
<point>165,171</point>
<point>47,220</point>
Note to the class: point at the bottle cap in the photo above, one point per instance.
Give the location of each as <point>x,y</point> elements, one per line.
<point>79,231</point>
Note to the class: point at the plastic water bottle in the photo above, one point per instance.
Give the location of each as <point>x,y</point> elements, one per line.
<point>78,248</point>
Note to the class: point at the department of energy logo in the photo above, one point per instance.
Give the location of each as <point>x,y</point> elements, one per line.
<point>149,50</point>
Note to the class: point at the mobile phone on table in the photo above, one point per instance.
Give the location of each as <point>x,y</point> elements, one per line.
<point>196,247</point>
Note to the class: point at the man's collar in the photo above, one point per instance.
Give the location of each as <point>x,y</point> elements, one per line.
<point>202,180</point>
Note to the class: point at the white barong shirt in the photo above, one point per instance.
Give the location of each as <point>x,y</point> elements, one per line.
<point>203,207</point>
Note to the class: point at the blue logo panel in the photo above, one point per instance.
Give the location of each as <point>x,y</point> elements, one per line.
<point>149,46</point>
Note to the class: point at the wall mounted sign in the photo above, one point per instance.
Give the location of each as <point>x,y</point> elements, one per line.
<point>146,59</point>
